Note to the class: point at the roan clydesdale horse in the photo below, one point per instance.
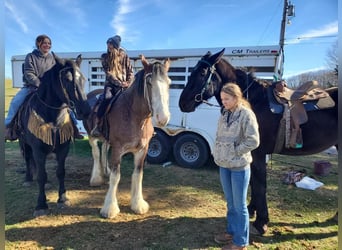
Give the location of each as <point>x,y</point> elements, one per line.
<point>44,124</point>
<point>318,133</point>
<point>130,129</point>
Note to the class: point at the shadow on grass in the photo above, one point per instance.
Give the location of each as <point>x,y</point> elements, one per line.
<point>153,232</point>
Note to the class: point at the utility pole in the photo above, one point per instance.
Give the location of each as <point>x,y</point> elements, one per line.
<point>288,11</point>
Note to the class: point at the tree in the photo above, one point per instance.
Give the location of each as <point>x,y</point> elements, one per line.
<point>332,58</point>
<point>326,78</point>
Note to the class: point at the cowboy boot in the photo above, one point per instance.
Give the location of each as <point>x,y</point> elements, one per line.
<point>10,134</point>
<point>77,134</point>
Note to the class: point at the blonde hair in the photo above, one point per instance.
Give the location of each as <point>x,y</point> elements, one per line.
<point>234,90</point>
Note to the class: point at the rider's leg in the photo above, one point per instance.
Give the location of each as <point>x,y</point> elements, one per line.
<point>15,104</point>
<point>77,134</point>
<point>97,130</point>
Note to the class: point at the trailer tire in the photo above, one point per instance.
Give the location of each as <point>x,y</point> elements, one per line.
<point>159,148</point>
<point>190,151</point>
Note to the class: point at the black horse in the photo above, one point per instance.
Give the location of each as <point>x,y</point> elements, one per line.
<point>318,133</point>
<point>44,124</point>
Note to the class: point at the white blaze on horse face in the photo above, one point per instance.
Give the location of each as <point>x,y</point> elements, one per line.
<point>160,101</point>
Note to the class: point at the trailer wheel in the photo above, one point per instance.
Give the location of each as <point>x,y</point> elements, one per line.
<point>159,148</point>
<point>191,151</point>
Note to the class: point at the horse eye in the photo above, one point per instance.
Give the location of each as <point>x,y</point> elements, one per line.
<point>68,76</point>
<point>203,72</point>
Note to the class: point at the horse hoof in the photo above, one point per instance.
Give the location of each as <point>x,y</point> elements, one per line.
<point>254,231</point>
<point>140,208</point>
<point>48,185</point>
<point>109,214</point>
<point>97,183</point>
<point>40,212</point>
<point>63,202</point>
<point>62,205</point>
<point>27,183</point>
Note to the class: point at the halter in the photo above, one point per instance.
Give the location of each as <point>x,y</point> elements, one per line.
<point>147,93</point>
<point>199,97</point>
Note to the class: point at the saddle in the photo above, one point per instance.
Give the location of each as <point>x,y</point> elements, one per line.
<point>312,98</point>
<point>103,106</point>
<point>293,104</point>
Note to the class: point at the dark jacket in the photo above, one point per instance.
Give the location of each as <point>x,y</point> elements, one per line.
<point>36,64</point>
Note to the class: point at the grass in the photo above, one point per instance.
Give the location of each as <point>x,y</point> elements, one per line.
<point>186,207</point>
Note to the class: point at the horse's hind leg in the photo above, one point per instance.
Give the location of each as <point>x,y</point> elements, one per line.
<point>138,204</point>
<point>110,207</point>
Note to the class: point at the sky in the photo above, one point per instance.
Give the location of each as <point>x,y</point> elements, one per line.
<point>83,25</point>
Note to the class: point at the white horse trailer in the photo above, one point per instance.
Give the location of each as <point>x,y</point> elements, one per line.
<point>188,139</point>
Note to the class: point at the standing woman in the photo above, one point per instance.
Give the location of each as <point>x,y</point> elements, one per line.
<point>237,135</point>
<point>119,76</point>
<point>36,64</point>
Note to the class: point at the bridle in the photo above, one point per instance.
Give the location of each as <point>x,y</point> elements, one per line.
<point>70,104</point>
<point>206,84</point>
<point>147,91</point>
<point>212,70</point>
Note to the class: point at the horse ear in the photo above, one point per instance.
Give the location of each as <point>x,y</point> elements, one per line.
<point>144,61</point>
<point>217,57</point>
<point>167,64</point>
<point>58,59</point>
<point>79,60</point>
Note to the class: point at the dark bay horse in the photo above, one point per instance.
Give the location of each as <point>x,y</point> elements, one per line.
<point>45,126</point>
<point>130,123</point>
<point>319,132</point>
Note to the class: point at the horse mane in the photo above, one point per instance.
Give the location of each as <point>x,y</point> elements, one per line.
<point>139,82</point>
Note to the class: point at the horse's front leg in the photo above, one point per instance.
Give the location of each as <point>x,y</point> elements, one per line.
<point>96,178</point>
<point>110,207</point>
<point>258,202</point>
<point>60,173</point>
<point>104,158</point>
<point>138,204</point>
<point>41,207</point>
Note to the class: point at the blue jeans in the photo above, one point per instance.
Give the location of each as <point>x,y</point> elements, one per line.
<point>15,104</point>
<point>235,187</point>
